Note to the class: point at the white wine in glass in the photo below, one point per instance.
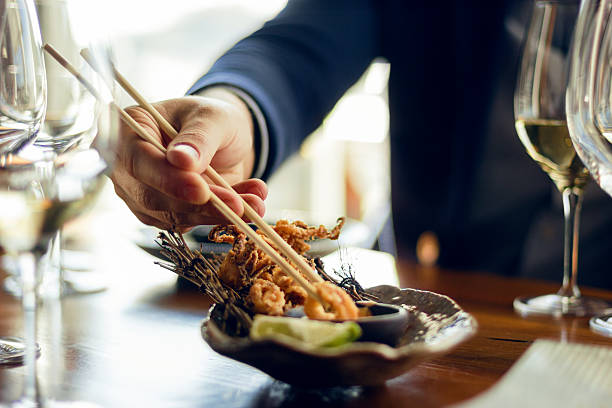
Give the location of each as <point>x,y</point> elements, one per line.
<point>539,105</point>
<point>548,142</point>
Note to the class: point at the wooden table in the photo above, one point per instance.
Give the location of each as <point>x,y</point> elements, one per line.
<point>138,344</point>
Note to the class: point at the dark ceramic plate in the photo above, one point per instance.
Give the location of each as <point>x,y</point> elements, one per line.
<point>436,325</point>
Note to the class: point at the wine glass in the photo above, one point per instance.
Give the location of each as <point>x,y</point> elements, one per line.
<point>69,119</point>
<point>70,108</point>
<point>589,104</point>
<point>22,107</point>
<point>22,84</point>
<point>539,105</point>
<point>45,192</point>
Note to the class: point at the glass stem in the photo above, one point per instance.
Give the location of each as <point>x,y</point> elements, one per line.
<point>54,273</point>
<point>572,203</point>
<point>30,281</point>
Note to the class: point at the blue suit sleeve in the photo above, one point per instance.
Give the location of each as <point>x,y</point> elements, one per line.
<point>298,65</point>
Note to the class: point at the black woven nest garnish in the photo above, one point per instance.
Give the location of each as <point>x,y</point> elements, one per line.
<point>202,271</point>
<point>345,278</point>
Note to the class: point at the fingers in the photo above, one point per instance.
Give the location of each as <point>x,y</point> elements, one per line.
<point>252,186</point>
<point>184,221</point>
<point>147,165</point>
<point>155,171</point>
<point>164,212</point>
<point>169,189</point>
<point>256,203</point>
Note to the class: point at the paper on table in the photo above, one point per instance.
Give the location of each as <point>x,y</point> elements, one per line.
<point>553,374</point>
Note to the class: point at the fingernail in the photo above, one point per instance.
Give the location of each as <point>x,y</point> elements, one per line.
<point>188,150</point>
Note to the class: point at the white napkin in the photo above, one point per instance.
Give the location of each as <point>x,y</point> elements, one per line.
<point>553,374</point>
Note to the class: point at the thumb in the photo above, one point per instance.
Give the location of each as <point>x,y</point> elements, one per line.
<point>193,148</point>
<point>184,156</point>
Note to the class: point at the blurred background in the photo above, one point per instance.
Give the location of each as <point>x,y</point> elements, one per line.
<point>342,169</point>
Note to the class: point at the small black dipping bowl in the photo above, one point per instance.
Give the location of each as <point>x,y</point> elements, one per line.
<point>386,325</point>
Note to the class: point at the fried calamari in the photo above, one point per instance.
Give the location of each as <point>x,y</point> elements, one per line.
<point>247,268</point>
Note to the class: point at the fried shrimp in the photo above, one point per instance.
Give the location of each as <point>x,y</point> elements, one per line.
<point>267,298</point>
<point>341,304</point>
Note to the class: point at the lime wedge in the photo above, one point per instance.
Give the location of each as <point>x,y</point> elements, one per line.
<point>312,333</point>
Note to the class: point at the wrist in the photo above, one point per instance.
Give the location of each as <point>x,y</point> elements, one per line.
<point>257,124</point>
<point>244,116</point>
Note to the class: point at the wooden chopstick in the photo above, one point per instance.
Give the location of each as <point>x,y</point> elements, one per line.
<point>251,214</point>
<point>216,201</point>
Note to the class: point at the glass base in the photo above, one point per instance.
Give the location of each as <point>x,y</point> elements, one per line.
<point>81,282</point>
<point>79,276</point>
<point>557,306</point>
<point>602,324</point>
<point>12,351</point>
<point>11,286</point>
<point>79,273</point>
<point>76,283</point>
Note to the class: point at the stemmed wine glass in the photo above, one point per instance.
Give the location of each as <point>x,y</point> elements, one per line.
<point>40,193</point>
<point>22,107</point>
<point>539,107</point>
<point>69,119</point>
<point>589,104</point>
<point>22,84</point>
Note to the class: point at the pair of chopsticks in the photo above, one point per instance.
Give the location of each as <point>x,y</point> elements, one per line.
<point>279,242</point>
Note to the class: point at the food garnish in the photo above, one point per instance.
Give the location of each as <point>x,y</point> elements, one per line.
<point>311,333</point>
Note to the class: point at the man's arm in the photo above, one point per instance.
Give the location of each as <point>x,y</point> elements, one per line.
<point>297,66</point>
<point>281,81</point>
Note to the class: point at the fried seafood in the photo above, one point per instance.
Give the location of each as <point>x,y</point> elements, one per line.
<point>267,298</point>
<point>237,266</point>
<point>270,290</point>
<point>243,262</point>
<point>298,232</point>
<point>295,295</point>
<point>341,304</point>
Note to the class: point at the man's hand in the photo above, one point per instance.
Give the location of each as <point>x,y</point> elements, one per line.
<point>170,190</point>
